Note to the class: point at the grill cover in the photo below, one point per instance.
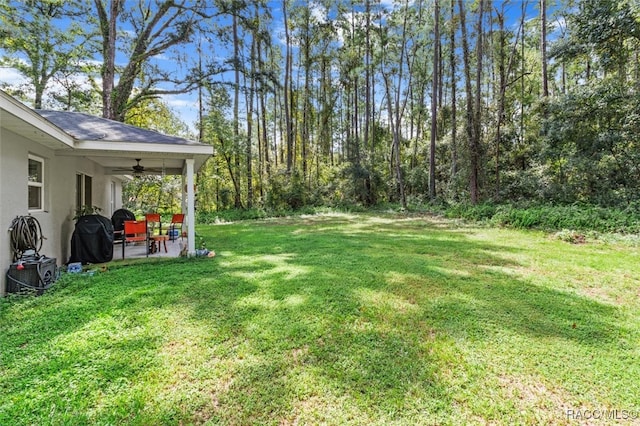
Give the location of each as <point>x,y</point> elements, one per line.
<point>92,240</point>
<point>118,218</point>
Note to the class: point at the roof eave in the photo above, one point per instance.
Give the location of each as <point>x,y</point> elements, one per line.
<point>109,147</point>
<point>38,124</point>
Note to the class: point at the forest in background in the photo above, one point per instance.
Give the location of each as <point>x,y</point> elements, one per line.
<point>345,103</point>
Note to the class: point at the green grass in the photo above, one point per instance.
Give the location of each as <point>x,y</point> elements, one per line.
<point>333,319</point>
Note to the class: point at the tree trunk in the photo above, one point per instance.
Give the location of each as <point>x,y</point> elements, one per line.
<point>503,72</point>
<point>523,71</point>
<point>501,94</point>
<point>287,89</point>
<point>543,47</point>
<point>434,106</point>
<point>306,113</point>
<point>395,110</point>
<point>108,20</point>
<point>250,100</point>
<point>200,101</point>
<point>454,118</point>
<point>368,140</point>
<point>395,147</point>
<point>477,120</point>
<point>469,125</point>
<point>156,28</point>
<point>263,115</point>
<point>236,114</point>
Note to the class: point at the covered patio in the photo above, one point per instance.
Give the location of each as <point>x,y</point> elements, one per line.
<point>126,152</point>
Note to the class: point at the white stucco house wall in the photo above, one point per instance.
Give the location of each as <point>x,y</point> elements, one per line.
<point>71,156</point>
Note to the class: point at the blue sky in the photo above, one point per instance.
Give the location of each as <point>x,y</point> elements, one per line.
<point>185,105</point>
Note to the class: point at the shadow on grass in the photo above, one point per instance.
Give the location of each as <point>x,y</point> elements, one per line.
<point>80,345</point>
<point>371,300</point>
<point>349,320</point>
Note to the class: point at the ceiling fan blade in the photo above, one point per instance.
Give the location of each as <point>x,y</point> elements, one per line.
<point>139,169</point>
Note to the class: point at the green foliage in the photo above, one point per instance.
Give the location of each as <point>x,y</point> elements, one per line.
<point>552,217</point>
<point>286,191</point>
<point>352,184</point>
<point>43,42</point>
<point>478,212</point>
<point>580,145</point>
<point>155,114</point>
<point>153,194</point>
<point>604,26</point>
<point>417,179</point>
<point>592,152</point>
<point>527,185</point>
<point>86,210</point>
<point>233,215</point>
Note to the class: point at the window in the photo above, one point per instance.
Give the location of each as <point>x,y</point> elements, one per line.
<point>36,183</point>
<point>83,191</point>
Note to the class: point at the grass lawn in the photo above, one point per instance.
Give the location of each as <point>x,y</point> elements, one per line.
<point>335,319</point>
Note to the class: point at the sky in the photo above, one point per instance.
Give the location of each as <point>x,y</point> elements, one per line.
<point>185,105</point>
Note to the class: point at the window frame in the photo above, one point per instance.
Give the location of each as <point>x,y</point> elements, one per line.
<point>36,184</point>
<point>81,192</point>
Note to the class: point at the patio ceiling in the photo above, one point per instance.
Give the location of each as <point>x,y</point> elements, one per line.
<point>120,162</point>
<point>118,165</point>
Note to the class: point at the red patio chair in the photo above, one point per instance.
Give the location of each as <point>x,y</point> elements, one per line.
<point>175,220</point>
<point>135,231</point>
<point>155,232</point>
<point>152,219</point>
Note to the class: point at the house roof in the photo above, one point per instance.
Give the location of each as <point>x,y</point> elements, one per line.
<point>86,127</point>
<point>18,118</point>
<point>111,144</point>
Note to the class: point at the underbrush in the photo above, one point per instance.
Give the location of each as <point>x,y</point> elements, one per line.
<point>552,218</point>
<point>234,215</point>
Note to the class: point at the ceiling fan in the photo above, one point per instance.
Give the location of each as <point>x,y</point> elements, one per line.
<point>139,170</point>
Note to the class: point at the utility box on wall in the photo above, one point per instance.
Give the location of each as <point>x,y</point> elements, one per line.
<point>36,274</point>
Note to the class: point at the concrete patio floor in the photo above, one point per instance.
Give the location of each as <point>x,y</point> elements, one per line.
<point>138,250</point>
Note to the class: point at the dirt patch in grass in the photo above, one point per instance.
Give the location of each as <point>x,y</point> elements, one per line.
<point>546,403</point>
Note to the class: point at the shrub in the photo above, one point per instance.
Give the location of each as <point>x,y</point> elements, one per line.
<point>551,217</point>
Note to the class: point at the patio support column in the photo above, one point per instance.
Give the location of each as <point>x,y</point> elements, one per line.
<point>183,199</point>
<point>191,210</point>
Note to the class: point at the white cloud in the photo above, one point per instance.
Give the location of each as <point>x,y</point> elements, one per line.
<point>179,103</point>
<point>11,76</point>
<point>318,12</point>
